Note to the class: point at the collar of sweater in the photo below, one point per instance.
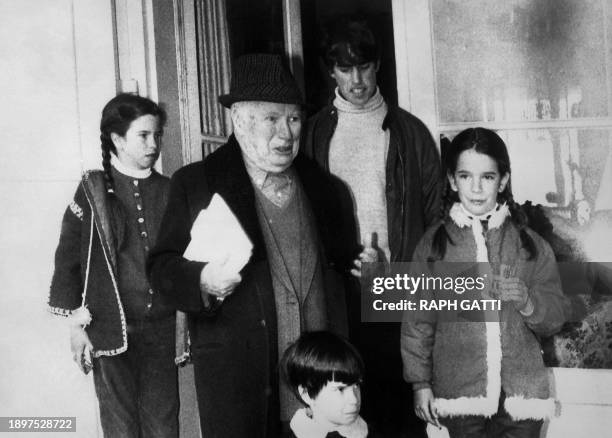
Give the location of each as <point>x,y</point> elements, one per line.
<point>374,103</point>
<point>304,426</point>
<point>134,173</point>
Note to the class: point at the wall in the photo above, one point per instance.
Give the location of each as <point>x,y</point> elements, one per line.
<point>57,72</point>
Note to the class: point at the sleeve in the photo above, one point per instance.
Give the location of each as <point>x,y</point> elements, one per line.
<point>432,178</point>
<point>66,284</point>
<point>172,275</point>
<point>551,306</point>
<point>417,335</point>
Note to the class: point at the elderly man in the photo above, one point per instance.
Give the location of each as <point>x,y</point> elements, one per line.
<point>385,158</point>
<point>241,322</point>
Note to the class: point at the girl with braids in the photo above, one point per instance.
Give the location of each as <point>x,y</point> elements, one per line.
<point>119,326</point>
<point>485,379</point>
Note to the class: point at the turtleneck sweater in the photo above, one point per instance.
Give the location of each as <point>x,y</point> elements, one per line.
<point>358,156</point>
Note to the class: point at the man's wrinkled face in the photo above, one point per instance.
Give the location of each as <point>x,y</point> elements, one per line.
<point>268,133</point>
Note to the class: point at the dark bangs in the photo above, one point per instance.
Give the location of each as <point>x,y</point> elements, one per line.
<point>349,42</point>
<point>347,55</point>
<point>318,358</point>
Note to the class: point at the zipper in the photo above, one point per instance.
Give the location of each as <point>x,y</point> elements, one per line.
<point>403,197</point>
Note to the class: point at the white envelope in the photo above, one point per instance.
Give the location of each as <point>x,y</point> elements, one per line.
<point>217,236</point>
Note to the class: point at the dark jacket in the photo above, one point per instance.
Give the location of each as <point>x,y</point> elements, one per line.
<point>86,265</point>
<point>413,187</point>
<point>234,345</point>
<point>413,175</point>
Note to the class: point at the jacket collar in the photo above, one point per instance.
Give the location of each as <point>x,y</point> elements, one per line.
<point>226,174</point>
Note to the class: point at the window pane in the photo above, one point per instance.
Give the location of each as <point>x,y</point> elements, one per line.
<point>521,60</point>
<point>557,167</point>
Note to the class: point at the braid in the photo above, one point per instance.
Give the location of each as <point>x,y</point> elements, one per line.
<point>441,237</point>
<point>106,159</point>
<point>519,218</point>
<point>117,213</point>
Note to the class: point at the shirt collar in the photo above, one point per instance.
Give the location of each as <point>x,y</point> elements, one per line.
<point>259,176</point>
<point>303,426</point>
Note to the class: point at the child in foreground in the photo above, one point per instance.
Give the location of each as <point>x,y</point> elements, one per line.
<point>325,372</point>
<point>485,379</point>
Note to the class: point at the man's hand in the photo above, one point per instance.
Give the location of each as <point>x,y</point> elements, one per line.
<point>217,280</point>
<point>81,348</point>
<point>368,255</point>
<point>424,406</point>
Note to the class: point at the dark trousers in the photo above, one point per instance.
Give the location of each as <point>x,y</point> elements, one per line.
<point>138,390</point>
<point>500,425</point>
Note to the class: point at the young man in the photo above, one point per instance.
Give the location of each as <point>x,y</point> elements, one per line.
<point>386,162</point>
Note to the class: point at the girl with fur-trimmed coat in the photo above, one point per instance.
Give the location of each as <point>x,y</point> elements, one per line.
<point>485,379</point>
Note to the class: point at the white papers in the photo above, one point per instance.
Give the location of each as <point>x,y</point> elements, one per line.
<point>216,236</point>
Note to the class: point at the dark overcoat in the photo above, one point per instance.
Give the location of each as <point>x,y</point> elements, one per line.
<point>234,345</point>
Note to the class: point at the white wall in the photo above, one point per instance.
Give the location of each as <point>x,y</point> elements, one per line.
<point>58,70</point>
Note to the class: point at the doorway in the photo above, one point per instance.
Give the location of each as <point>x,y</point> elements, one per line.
<point>319,86</point>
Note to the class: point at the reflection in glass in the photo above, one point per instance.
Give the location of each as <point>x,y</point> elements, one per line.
<point>521,60</point>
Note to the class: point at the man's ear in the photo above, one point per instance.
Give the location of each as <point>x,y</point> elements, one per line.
<point>451,180</point>
<point>236,114</point>
<point>331,72</point>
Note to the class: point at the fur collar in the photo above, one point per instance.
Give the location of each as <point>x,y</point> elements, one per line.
<point>304,426</point>
<point>463,218</point>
